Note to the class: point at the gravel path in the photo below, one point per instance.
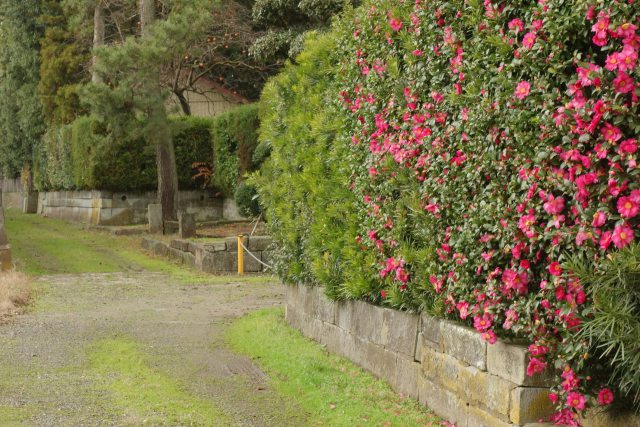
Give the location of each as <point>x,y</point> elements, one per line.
<point>45,378</point>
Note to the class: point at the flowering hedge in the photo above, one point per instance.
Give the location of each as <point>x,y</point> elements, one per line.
<point>489,142</point>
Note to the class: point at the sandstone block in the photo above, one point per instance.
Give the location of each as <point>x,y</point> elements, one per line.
<point>430,331</point>
<point>443,402</point>
<point>479,418</point>
<point>529,404</point>
<point>367,322</point>
<point>510,361</point>
<point>186,225</point>
<point>344,315</point>
<point>154,214</point>
<point>399,331</point>
<point>464,344</point>
<point>483,389</point>
<point>258,243</point>
<point>181,245</point>
<point>405,379</point>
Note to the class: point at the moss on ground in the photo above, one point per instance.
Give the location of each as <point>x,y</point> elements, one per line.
<point>144,395</point>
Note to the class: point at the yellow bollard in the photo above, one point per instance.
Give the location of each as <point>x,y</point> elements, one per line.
<point>240,255</point>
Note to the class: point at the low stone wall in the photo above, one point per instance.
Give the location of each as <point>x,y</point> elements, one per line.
<point>220,257</point>
<point>446,366</point>
<point>111,208</point>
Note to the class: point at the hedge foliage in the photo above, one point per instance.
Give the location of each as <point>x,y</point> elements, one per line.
<point>83,156</point>
<point>470,148</point>
<point>234,136</point>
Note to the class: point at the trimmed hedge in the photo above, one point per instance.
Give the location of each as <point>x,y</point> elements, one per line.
<point>81,156</point>
<point>234,135</point>
<point>478,145</point>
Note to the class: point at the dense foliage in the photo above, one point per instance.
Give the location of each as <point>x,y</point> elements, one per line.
<point>486,142</point>
<point>83,156</point>
<point>21,125</point>
<point>234,139</point>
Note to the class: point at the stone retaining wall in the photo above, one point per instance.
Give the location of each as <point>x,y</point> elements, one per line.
<point>111,208</point>
<point>446,366</point>
<point>219,257</point>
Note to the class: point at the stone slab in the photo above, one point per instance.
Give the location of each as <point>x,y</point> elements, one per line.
<point>443,402</point>
<point>464,343</point>
<point>405,378</point>
<point>430,331</point>
<point>154,212</point>
<point>482,389</point>
<point>529,405</point>
<point>399,331</point>
<point>479,418</point>
<point>179,244</point>
<point>258,243</point>
<point>510,361</point>
<point>186,225</point>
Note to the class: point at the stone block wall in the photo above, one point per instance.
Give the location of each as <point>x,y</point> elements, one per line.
<point>446,366</point>
<point>218,257</point>
<point>111,208</point>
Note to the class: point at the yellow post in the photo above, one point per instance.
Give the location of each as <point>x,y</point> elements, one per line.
<point>240,255</point>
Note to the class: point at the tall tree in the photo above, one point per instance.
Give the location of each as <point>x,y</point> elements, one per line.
<point>21,124</point>
<point>128,94</point>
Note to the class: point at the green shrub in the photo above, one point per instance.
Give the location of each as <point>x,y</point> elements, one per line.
<point>477,145</point>
<point>234,138</point>
<point>613,328</point>
<point>84,156</point>
<point>246,197</point>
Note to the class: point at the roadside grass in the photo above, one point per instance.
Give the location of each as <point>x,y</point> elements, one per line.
<point>15,292</point>
<point>143,395</point>
<point>49,246</point>
<point>331,389</point>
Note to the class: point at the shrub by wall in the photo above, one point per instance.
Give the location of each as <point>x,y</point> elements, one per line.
<point>234,139</point>
<point>486,143</point>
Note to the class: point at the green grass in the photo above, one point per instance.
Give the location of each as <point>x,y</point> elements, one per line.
<point>143,395</point>
<point>331,389</point>
<point>49,246</point>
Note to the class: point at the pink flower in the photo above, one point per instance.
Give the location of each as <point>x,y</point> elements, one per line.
<point>576,400</point>
<point>515,281</point>
<point>490,337</point>
<point>535,366</point>
<point>516,25</point>
<point>610,133</point>
<point>383,294</point>
<point>622,236</point>
<point>627,208</point>
<point>626,30</point>
<point>529,40</point>
<point>538,350</point>
<point>554,206</point>
<point>605,240</point>
<point>463,308</point>
<point>623,83</point>
<point>483,323</point>
<point>522,90</point>
<point>395,24</point>
<point>613,61</point>
<point>627,59</point>
<point>605,397</point>
<point>628,146</point>
<point>555,269</point>
<point>599,219</point>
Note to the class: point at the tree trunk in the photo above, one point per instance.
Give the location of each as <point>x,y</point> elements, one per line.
<point>160,136</point>
<point>98,36</point>
<point>184,104</point>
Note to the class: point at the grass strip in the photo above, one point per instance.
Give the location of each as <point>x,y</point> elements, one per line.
<point>332,390</point>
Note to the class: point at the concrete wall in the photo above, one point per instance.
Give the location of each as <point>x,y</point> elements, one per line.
<point>112,208</point>
<point>446,366</point>
<point>220,257</point>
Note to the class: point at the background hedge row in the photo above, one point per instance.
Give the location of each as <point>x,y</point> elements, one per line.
<point>84,156</point>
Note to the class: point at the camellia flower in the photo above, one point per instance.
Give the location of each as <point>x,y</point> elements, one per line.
<point>599,219</point>
<point>576,400</point>
<point>622,236</point>
<point>490,337</point>
<point>623,83</point>
<point>554,205</point>
<point>516,25</point>
<point>628,146</point>
<point>605,397</point>
<point>610,133</point>
<point>627,208</point>
<point>529,40</point>
<point>555,269</point>
<point>395,24</point>
<point>522,90</point>
<point>535,366</point>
